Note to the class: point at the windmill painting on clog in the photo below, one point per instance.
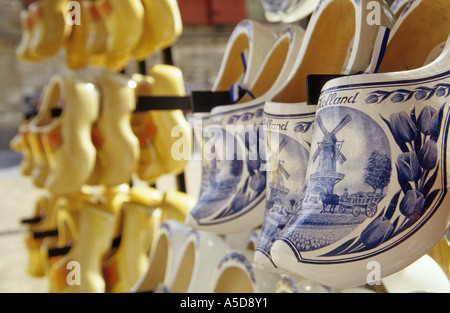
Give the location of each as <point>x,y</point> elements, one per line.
<point>377,177</point>
<point>233,194</point>
<point>245,51</point>
<point>289,118</point>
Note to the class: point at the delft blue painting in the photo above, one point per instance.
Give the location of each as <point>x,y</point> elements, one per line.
<point>234,183</point>
<point>285,179</point>
<point>352,168</point>
<point>341,193</point>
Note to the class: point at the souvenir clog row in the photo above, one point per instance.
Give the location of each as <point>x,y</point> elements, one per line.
<point>87,142</point>
<point>355,176</point>
<point>183,260</point>
<point>107,33</point>
<point>88,132</point>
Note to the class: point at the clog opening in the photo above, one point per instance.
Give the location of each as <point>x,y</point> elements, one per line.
<point>184,271</point>
<point>271,70</point>
<point>419,33</point>
<point>234,67</point>
<point>158,265</point>
<point>233,280</point>
<point>327,49</point>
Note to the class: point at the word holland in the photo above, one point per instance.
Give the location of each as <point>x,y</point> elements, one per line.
<point>333,99</point>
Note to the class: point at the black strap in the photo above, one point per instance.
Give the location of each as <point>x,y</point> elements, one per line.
<point>53,252</point>
<point>33,220</point>
<point>314,85</point>
<point>205,101</point>
<point>151,103</point>
<point>44,234</point>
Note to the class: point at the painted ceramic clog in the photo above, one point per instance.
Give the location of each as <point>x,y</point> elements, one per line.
<point>376,178</point>
<point>272,9</point>
<point>231,200</point>
<point>244,54</point>
<point>289,119</point>
<point>66,137</point>
<point>239,262</point>
<point>158,35</point>
<point>290,284</point>
<point>164,257</point>
<point>116,145</point>
<point>298,10</point>
<point>198,258</point>
<point>398,6</point>
<point>423,276</point>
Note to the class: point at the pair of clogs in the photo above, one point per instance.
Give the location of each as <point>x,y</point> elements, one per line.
<point>183,260</point>
<point>111,238</point>
<point>233,193</point>
<point>369,185</point>
<point>106,33</point>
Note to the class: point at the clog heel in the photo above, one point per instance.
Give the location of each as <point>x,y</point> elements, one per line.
<point>157,35</point>
<point>50,29</point>
<point>163,257</point>
<point>233,185</point>
<point>66,136</point>
<point>237,273</point>
<point>376,195</point>
<point>199,256</point>
<point>117,148</point>
<point>289,118</point>
<point>80,271</point>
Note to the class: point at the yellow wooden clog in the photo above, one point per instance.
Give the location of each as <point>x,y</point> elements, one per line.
<point>157,34</point>
<point>66,137</point>
<point>116,145</point>
<point>154,128</point>
<point>50,28</point>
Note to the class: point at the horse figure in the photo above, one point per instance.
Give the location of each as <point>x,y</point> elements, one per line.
<point>331,200</point>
